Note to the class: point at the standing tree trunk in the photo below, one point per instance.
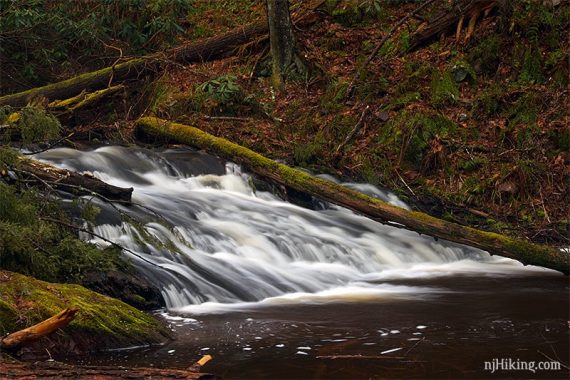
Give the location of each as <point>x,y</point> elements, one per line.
<point>281,39</point>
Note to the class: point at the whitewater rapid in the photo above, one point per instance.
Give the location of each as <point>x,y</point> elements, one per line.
<point>212,243</point>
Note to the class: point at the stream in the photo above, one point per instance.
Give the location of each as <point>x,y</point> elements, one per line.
<point>274,290</point>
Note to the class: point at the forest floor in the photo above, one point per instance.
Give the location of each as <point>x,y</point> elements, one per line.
<point>474,132</point>
<point>477,132</point>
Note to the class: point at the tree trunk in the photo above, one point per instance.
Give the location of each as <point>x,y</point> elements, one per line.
<point>37,331</point>
<point>199,51</point>
<point>525,252</point>
<point>281,40</point>
<point>75,183</point>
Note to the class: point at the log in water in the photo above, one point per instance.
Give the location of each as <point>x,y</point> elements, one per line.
<point>271,289</point>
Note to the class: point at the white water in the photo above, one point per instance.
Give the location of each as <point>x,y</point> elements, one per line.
<point>227,247</point>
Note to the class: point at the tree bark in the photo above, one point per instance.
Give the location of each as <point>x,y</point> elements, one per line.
<point>281,40</point>
<point>75,183</point>
<point>496,244</point>
<point>199,51</point>
<point>37,331</point>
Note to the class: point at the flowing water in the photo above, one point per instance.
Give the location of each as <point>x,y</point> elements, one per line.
<point>274,290</point>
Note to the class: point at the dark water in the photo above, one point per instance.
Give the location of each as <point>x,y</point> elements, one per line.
<point>275,291</point>
<point>447,335</point>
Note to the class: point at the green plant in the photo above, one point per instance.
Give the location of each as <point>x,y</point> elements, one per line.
<point>334,95</point>
<point>531,71</point>
<point>223,89</point>
<point>33,246</point>
<point>409,135</point>
<point>485,56</point>
<point>37,37</point>
<point>488,102</point>
<point>35,124</point>
<point>443,89</point>
<point>307,153</point>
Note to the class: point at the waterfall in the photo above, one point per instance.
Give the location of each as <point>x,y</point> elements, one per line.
<point>210,241</point>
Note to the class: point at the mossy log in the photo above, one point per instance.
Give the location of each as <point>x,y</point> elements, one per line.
<point>39,330</point>
<point>83,100</point>
<point>199,51</point>
<point>445,20</point>
<point>71,182</point>
<point>525,252</point>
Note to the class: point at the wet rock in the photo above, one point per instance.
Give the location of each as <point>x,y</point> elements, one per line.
<point>129,288</point>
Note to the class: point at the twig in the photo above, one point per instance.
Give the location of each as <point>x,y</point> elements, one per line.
<point>405,184</point>
<point>414,346</point>
<point>352,133</point>
<point>50,145</point>
<point>232,118</point>
<point>403,20</point>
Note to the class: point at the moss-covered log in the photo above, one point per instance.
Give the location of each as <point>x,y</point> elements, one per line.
<point>200,51</point>
<point>525,252</point>
<point>83,100</point>
<point>71,182</point>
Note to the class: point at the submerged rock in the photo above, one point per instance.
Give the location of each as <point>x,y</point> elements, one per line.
<point>127,287</point>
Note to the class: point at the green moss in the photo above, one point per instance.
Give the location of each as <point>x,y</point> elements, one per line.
<point>443,89</point>
<point>473,164</point>
<point>32,246</point>
<point>35,124</point>
<point>522,121</point>
<point>410,133</point>
<point>307,153</point>
<point>488,102</point>
<point>560,137</point>
<point>531,71</point>
<point>101,320</point>
<point>527,253</point>
<point>334,95</point>
<point>101,77</point>
<point>485,56</point>
<point>462,71</point>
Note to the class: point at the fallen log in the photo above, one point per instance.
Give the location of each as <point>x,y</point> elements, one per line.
<point>445,20</point>
<point>199,51</point>
<point>75,183</point>
<point>37,331</point>
<point>55,370</point>
<point>82,100</point>
<point>496,244</point>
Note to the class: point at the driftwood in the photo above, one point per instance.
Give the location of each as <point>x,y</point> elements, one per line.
<point>525,252</point>
<point>199,51</point>
<point>444,21</point>
<point>35,332</point>
<point>61,179</point>
<point>55,370</point>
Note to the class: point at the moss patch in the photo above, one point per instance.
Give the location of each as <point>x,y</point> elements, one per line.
<point>102,322</point>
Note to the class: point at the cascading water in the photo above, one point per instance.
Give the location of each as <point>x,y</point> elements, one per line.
<point>280,291</point>
<point>214,243</point>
